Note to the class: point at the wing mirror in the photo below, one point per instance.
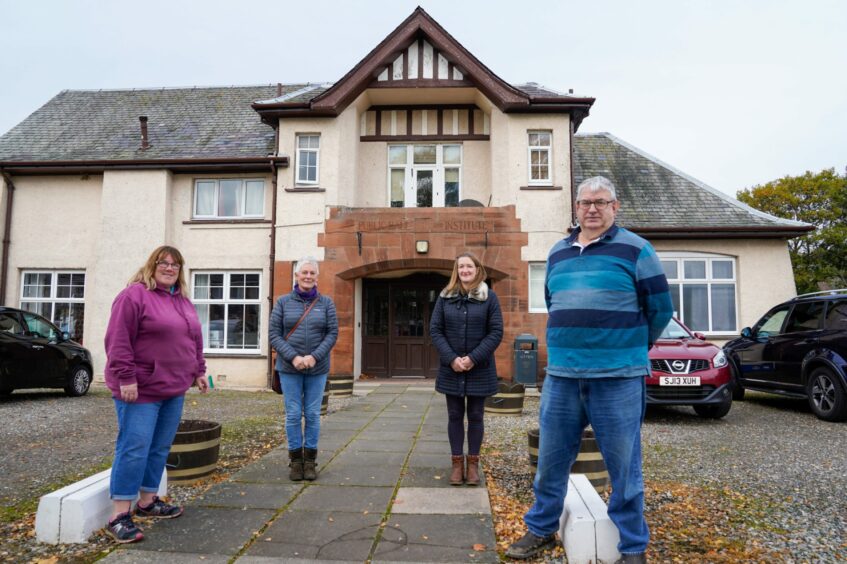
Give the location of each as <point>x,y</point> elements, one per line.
<point>699,335</point>
<point>747,332</point>
<point>65,336</point>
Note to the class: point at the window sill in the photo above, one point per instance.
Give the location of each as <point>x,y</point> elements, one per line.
<point>233,355</point>
<point>224,221</point>
<point>541,187</point>
<point>305,189</point>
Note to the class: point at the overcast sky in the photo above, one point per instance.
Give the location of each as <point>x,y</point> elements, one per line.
<point>734,93</point>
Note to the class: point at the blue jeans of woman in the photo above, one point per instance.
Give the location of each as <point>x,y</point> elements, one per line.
<point>302,394</point>
<point>145,434</point>
<point>615,409</point>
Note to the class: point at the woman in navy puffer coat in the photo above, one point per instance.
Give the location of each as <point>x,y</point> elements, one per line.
<point>466,328</point>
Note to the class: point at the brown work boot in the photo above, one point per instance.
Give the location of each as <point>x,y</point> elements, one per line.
<point>310,464</point>
<point>296,465</point>
<point>472,477</point>
<point>457,474</point>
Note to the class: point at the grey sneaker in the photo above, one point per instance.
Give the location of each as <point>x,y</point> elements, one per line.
<point>529,545</point>
<point>123,530</point>
<point>158,509</point>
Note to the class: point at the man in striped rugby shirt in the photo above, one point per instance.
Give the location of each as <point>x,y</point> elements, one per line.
<point>608,301</point>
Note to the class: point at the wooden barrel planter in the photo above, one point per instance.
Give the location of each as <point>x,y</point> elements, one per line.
<point>194,452</point>
<point>507,401</point>
<point>340,385</point>
<point>589,461</point>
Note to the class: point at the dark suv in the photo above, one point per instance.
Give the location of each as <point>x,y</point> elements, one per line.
<point>797,349</point>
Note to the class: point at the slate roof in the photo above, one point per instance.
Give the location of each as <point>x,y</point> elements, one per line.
<point>87,125</point>
<point>535,90</point>
<point>655,196</point>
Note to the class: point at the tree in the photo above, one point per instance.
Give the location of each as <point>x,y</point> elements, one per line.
<point>820,257</point>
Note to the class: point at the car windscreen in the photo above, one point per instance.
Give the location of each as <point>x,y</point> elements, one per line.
<point>675,331</point>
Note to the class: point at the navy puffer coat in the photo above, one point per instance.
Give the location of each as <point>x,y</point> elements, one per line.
<point>467,325</point>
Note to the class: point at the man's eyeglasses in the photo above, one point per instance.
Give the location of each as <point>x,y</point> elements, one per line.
<point>599,204</point>
<point>163,264</point>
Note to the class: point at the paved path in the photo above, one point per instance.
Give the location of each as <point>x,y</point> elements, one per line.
<point>382,495</point>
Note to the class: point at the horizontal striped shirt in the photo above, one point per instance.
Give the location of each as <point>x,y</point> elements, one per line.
<point>607,302</point>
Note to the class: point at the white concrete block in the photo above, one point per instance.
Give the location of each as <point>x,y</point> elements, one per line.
<point>588,535</point>
<point>71,514</point>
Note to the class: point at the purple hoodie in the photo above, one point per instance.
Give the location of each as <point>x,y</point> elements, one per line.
<point>154,339</point>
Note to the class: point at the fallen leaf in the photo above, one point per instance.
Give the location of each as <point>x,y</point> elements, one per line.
<point>479,547</point>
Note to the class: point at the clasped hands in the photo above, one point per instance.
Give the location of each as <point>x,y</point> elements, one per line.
<point>462,364</point>
<point>304,362</point>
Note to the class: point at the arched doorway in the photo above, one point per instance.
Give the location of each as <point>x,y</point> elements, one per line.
<point>395,325</point>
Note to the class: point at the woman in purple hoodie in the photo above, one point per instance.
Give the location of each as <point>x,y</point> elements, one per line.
<point>154,346</point>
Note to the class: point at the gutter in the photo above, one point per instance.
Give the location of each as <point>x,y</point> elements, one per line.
<point>7,233</point>
<point>740,232</point>
<point>240,164</point>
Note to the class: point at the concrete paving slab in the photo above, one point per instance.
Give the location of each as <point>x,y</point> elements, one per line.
<point>435,460</point>
<point>377,445</point>
<point>427,501</point>
<point>376,434</point>
<point>267,470</point>
<point>353,499</point>
<point>276,560</point>
<point>441,538</point>
<point>353,456</point>
<point>242,494</point>
<point>123,556</point>
<point>441,447</point>
<point>394,424</point>
<point>422,477</point>
<point>358,475</point>
<point>318,535</point>
<point>203,530</point>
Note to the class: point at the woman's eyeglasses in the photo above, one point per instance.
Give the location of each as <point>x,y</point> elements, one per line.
<point>163,264</point>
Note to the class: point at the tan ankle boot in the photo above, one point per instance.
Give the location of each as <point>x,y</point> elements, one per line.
<point>457,475</point>
<point>472,478</point>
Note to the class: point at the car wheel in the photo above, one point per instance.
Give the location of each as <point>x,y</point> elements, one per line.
<point>713,411</point>
<point>737,388</point>
<point>826,395</point>
<point>6,390</point>
<point>79,380</point>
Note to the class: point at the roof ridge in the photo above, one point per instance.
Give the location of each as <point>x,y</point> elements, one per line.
<point>195,87</point>
<point>714,191</point>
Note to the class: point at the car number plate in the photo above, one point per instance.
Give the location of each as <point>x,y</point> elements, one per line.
<point>679,381</point>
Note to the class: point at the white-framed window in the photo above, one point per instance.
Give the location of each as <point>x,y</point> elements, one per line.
<point>704,290</point>
<point>58,295</point>
<point>229,198</point>
<point>537,276</point>
<point>424,176</point>
<point>229,307</point>
<point>540,146</point>
<point>308,158</point>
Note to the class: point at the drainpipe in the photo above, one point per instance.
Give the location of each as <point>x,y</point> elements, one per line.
<point>573,188</point>
<point>272,255</point>
<point>7,233</point>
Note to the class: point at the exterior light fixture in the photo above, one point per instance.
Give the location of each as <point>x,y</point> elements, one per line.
<point>422,247</point>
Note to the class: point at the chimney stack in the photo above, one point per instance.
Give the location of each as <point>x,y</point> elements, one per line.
<point>145,142</point>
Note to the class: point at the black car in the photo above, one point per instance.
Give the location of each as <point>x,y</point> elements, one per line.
<point>35,354</point>
<point>797,349</point>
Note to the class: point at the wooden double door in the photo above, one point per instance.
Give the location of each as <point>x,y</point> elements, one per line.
<point>395,326</point>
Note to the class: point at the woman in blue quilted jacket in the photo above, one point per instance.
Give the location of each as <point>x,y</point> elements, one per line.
<point>303,330</point>
<point>466,328</point>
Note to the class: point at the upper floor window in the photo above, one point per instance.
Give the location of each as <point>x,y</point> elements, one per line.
<point>57,295</point>
<point>540,157</point>
<point>537,277</point>
<point>229,307</point>
<point>229,198</point>
<point>424,176</point>
<point>308,158</point>
<point>703,288</point>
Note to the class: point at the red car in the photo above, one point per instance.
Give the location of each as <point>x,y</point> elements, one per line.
<point>688,370</point>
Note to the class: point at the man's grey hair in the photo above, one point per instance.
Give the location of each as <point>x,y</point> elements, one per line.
<point>595,184</point>
<point>307,260</point>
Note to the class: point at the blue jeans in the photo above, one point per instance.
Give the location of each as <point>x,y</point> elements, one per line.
<point>615,409</point>
<point>302,394</point>
<point>145,434</point>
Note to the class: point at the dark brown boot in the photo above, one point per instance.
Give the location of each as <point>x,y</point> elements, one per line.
<point>457,475</point>
<point>296,465</point>
<point>472,478</point>
<point>310,464</point>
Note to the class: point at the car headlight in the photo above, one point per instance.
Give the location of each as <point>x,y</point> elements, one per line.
<point>719,359</point>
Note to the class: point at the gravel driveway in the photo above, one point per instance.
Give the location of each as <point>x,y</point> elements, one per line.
<point>769,449</point>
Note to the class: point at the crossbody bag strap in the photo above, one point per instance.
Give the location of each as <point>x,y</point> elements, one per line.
<point>302,317</point>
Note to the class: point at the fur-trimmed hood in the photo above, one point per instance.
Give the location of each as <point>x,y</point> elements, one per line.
<point>479,294</point>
